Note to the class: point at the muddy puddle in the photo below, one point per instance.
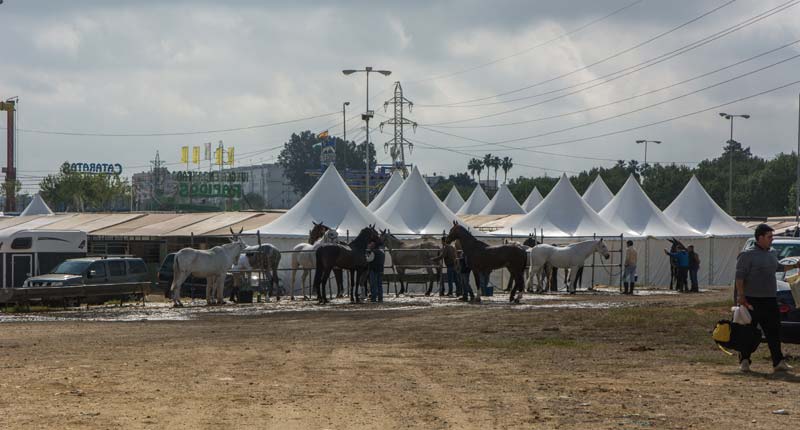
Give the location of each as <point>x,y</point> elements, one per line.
<point>162,311</point>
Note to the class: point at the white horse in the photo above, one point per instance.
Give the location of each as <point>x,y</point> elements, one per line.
<point>571,256</point>
<point>304,257</point>
<point>210,264</point>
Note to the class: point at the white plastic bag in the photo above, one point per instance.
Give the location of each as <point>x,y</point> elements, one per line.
<point>741,315</point>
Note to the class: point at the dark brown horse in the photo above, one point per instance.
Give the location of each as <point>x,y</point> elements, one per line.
<point>351,257</point>
<point>482,258</point>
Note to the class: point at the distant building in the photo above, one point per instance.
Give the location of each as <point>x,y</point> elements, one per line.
<point>269,181</point>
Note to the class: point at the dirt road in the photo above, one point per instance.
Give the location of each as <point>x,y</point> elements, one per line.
<point>617,362</point>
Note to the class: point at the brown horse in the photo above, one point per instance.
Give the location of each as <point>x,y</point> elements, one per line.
<point>412,257</point>
<point>351,257</point>
<point>482,258</point>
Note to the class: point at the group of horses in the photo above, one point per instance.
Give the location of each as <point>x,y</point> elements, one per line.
<point>325,253</point>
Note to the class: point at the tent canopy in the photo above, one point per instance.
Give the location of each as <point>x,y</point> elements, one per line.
<point>331,202</point>
<point>503,203</point>
<point>415,207</point>
<point>635,214</point>
<point>388,189</point>
<point>534,198</point>
<point>598,195</point>
<point>37,206</point>
<point>454,201</point>
<point>475,203</point>
<point>563,213</point>
<point>695,208</point>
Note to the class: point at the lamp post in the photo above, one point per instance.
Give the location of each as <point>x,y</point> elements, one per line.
<point>367,115</point>
<point>344,133</point>
<point>797,184</point>
<point>730,117</point>
<point>657,142</point>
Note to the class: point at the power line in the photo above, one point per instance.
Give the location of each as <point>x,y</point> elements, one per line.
<point>603,60</point>
<point>561,115</point>
<point>631,69</point>
<point>524,51</point>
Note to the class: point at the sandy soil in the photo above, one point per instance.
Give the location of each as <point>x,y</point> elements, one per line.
<point>587,361</point>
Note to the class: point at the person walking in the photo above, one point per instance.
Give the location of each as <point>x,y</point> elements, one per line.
<point>682,259</point>
<point>375,268</point>
<point>629,272</point>
<point>694,267</point>
<point>466,289</point>
<point>448,256</point>
<point>756,289</point>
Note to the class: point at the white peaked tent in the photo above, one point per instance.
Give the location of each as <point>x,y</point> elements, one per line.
<point>695,208</point>
<point>503,203</point>
<point>475,203</point>
<point>330,201</point>
<point>388,189</point>
<point>563,213</point>
<point>415,207</point>
<point>454,201</point>
<point>37,206</point>
<point>636,215</point>
<point>534,198</point>
<point>598,195</point>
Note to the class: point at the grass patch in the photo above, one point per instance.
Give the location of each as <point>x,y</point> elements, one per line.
<point>18,309</point>
<point>525,344</point>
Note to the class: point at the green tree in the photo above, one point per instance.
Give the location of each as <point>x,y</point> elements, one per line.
<point>474,166</point>
<point>255,201</point>
<point>487,163</point>
<point>75,191</point>
<point>462,181</point>
<point>506,164</point>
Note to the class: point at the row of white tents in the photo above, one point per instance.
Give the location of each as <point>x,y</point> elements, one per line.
<point>410,207</point>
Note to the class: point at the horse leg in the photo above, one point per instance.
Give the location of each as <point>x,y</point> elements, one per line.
<point>209,291</point>
<point>221,289</point>
<point>400,274</point>
<point>177,282</point>
<point>326,274</point>
<point>429,288</point>
<point>571,278</point>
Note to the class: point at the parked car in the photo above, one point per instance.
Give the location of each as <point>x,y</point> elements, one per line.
<point>192,287</point>
<point>88,271</point>
<point>785,248</point>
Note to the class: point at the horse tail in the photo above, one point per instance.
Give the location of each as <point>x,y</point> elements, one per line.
<point>176,269</point>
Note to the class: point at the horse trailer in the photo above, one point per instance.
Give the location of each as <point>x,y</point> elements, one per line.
<point>29,253</point>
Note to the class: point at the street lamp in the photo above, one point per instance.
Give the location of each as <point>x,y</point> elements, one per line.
<point>657,142</point>
<point>344,133</point>
<point>368,114</point>
<point>730,117</point>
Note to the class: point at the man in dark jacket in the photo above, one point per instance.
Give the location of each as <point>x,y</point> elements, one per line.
<point>466,289</point>
<point>756,289</point>
<point>682,259</point>
<point>694,267</point>
<point>375,268</point>
<point>448,256</point>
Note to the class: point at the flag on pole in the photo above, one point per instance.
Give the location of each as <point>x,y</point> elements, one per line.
<point>207,155</point>
<point>230,156</point>
<point>196,154</point>
<point>218,156</point>
<point>184,154</point>
<point>323,135</point>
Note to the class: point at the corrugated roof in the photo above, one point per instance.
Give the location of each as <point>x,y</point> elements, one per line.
<point>217,222</point>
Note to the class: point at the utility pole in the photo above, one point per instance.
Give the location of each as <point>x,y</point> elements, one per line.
<point>730,117</point>
<point>366,117</point>
<point>797,184</point>
<point>396,146</point>
<point>11,173</point>
<point>344,134</point>
<point>657,142</point>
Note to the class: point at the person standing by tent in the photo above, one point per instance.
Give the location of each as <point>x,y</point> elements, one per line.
<point>756,289</point>
<point>629,273</point>
<point>682,258</point>
<point>448,256</point>
<point>694,267</point>
<point>375,267</point>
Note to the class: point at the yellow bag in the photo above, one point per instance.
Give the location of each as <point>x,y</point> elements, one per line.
<point>722,332</point>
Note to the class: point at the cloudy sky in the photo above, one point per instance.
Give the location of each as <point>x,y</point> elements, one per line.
<point>552,84</point>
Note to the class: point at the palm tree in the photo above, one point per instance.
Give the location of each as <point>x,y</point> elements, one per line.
<point>479,168</point>
<point>507,164</point>
<point>496,165</point>
<point>474,165</point>
<point>487,162</point>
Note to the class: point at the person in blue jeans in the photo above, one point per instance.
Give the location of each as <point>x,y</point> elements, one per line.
<point>466,289</point>
<point>375,268</point>
<point>448,256</point>
<point>694,267</point>
<point>682,258</point>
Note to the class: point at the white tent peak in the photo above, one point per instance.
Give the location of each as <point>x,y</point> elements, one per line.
<point>454,201</point>
<point>37,206</point>
<point>415,207</point>
<point>563,213</point>
<point>475,203</point>
<point>598,194</point>
<point>534,198</point>
<point>330,201</point>
<point>634,213</point>
<point>695,208</point>
<point>388,189</point>
<point>503,203</point>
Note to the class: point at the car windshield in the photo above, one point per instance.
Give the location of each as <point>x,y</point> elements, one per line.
<point>786,249</point>
<point>72,268</point>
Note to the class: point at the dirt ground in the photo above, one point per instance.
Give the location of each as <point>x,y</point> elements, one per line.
<point>590,361</point>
